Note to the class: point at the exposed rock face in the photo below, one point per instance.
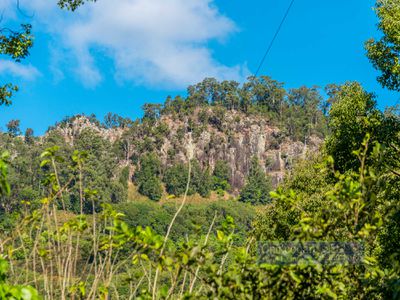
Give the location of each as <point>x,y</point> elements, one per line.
<point>241,138</point>
<point>71,129</point>
<point>232,137</point>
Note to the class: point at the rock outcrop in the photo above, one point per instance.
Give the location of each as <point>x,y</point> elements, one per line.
<point>210,136</point>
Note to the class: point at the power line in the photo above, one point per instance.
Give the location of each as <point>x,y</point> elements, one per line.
<point>275,36</point>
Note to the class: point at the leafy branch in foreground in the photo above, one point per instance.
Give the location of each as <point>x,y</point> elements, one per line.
<point>67,256</point>
<point>72,4</point>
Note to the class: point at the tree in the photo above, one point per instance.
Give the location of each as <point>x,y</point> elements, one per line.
<point>302,114</point>
<point>147,178</point>
<point>151,112</point>
<point>175,179</point>
<point>16,44</point>
<point>257,187</point>
<point>4,185</point>
<point>29,136</point>
<point>204,93</point>
<point>221,176</point>
<point>353,114</point>
<point>114,121</point>
<point>200,180</point>
<point>72,4</point>
<point>230,94</point>
<point>13,128</point>
<point>151,188</point>
<point>265,93</point>
<point>111,120</point>
<point>384,54</point>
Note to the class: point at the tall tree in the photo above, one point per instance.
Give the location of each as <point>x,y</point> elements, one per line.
<point>221,175</point>
<point>29,136</point>
<point>151,112</point>
<point>257,188</point>
<point>265,92</point>
<point>302,115</point>
<point>147,178</point>
<point>13,128</point>
<point>385,52</point>
<point>352,115</point>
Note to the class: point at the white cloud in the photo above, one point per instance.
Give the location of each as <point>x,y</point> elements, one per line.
<point>27,72</point>
<point>152,42</point>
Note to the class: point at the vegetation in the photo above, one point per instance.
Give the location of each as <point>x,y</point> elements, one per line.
<point>298,112</point>
<point>257,188</point>
<point>221,176</point>
<point>384,53</point>
<point>67,230</point>
<point>147,178</point>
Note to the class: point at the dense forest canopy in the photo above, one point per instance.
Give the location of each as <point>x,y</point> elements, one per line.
<point>124,209</point>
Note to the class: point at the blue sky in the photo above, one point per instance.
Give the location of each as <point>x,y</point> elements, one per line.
<point>117,55</point>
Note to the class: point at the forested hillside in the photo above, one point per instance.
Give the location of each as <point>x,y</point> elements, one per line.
<point>225,125</point>
<point>233,191</point>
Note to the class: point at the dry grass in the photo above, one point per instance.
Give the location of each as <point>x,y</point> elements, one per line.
<point>135,196</point>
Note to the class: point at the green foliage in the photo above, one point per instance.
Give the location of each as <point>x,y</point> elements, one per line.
<point>151,112</point>
<point>257,187</point>
<point>4,185</point>
<point>13,128</point>
<point>349,193</point>
<point>353,114</point>
<point>385,52</point>
<point>147,178</point>
<point>302,116</point>
<point>298,112</point>
<point>72,4</point>
<point>351,210</point>
<point>201,181</point>
<point>316,204</point>
<point>221,176</point>
<point>6,92</point>
<point>151,188</point>
<point>306,184</point>
<point>100,171</point>
<point>115,121</point>
<point>193,217</point>
<point>29,138</point>
<point>15,292</point>
<point>264,93</point>
<point>176,180</point>
<point>17,43</point>
<point>150,165</point>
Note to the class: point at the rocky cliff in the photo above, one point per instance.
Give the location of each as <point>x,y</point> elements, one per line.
<point>208,135</point>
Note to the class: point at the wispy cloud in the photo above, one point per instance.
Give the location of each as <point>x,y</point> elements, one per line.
<point>156,43</point>
<point>10,68</point>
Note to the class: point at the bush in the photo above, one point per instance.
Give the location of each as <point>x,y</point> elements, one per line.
<point>147,178</point>
<point>192,217</point>
<point>151,188</point>
<point>221,176</point>
<point>176,178</point>
<point>257,188</point>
